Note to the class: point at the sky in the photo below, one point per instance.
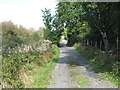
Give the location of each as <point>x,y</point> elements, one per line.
<point>25,12</point>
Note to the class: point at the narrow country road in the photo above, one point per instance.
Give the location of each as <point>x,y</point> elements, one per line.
<point>71,67</point>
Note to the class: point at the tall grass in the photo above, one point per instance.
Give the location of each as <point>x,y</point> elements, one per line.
<point>14,59</point>
<point>21,46</point>
<point>100,61</point>
<point>40,76</point>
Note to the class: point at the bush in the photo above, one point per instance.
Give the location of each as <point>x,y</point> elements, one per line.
<point>99,60</point>
<point>14,59</point>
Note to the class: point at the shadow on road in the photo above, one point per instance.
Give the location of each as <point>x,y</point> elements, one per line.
<point>68,55</point>
<point>70,66</point>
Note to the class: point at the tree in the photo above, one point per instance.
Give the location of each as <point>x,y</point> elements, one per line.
<point>47,18</point>
<point>93,21</point>
<point>100,17</point>
<point>52,30</point>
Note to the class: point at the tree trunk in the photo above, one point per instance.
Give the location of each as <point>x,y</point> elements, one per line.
<point>102,29</point>
<point>105,40</point>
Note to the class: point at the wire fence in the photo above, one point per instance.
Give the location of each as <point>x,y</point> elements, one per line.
<point>113,47</point>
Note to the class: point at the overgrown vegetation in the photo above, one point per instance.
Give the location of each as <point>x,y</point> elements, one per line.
<point>39,76</point>
<point>22,47</point>
<point>96,25</point>
<point>100,61</point>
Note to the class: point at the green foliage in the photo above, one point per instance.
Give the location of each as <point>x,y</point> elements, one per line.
<point>21,46</point>
<point>14,60</point>
<point>41,75</point>
<point>50,33</point>
<point>100,61</point>
<point>93,21</point>
<point>14,36</point>
<point>116,68</point>
<point>69,19</point>
<point>12,42</point>
<point>47,18</point>
<point>82,81</point>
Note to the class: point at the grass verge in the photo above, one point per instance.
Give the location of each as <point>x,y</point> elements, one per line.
<point>101,62</point>
<point>81,81</point>
<point>37,76</point>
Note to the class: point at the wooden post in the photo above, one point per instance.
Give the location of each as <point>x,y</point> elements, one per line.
<point>87,42</point>
<point>84,42</point>
<point>91,43</point>
<point>95,43</point>
<point>100,45</point>
<point>117,43</point>
<point>117,47</point>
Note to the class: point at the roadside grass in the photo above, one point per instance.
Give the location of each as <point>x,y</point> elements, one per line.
<point>114,79</point>
<point>40,76</point>
<point>81,81</point>
<point>100,62</point>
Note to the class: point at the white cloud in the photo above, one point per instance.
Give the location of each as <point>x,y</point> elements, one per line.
<point>27,14</point>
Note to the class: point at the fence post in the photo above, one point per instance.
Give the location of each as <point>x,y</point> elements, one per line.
<point>87,42</point>
<point>84,42</point>
<point>100,45</point>
<point>117,43</point>
<point>95,43</point>
<point>117,47</point>
<point>91,43</point>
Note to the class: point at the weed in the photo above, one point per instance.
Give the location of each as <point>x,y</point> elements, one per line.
<point>81,81</point>
<point>41,75</point>
<point>100,62</point>
<point>14,59</point>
